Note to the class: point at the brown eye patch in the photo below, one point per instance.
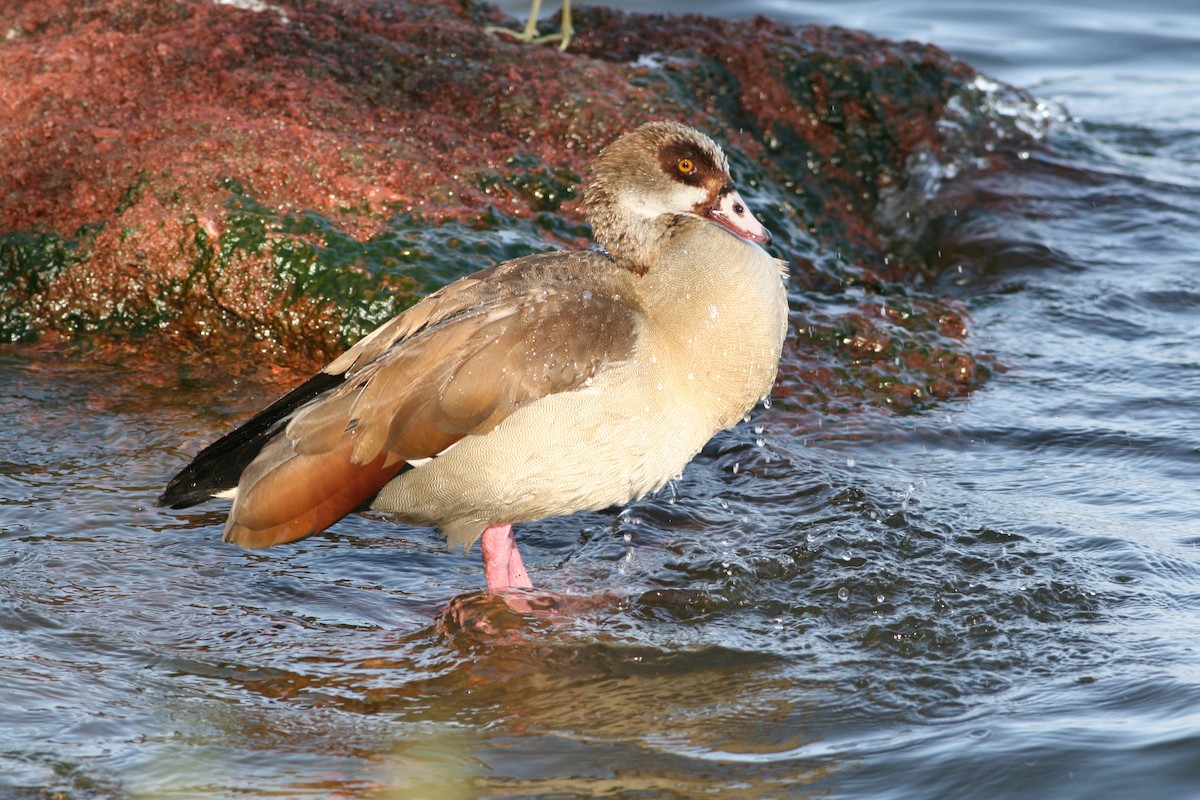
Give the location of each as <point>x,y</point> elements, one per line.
<point>685,162</point>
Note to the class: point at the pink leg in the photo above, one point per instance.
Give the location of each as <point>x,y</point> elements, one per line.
<point>502,565</point>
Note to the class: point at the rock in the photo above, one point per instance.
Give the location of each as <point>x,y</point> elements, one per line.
<point>217,173</point>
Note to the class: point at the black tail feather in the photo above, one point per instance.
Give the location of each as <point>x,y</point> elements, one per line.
<point>219,466</point>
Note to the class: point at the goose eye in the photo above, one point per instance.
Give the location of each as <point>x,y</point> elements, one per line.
<point>686,166</point>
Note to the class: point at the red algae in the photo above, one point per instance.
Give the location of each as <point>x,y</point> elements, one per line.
<point>171,145</point>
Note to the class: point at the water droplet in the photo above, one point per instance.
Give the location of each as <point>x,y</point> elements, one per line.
<point>843,593</point>
<point>850,461</point>
<point>878,598</point>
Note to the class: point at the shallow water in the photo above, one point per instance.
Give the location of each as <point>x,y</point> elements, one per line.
<point>993,597</point>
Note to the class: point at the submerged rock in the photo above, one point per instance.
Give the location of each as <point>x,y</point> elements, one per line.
<point>293,174</point>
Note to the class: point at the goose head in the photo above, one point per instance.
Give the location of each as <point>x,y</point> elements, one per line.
<point>642,183</point>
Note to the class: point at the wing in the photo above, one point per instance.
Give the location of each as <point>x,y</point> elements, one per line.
<point>454,365</point>
<point>219,467</point>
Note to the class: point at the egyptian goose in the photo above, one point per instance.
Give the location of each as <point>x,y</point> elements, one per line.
<point>542,386</point>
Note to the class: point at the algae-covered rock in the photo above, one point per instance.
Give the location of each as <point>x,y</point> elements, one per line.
<point>291,175</point>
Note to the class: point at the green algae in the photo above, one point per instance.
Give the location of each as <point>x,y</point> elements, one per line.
<point>435,252</point>
<point>284,276</point>
<point>30,262</point>
<point>530,180</point>
<point>299,280</point>
<point>373,279</point>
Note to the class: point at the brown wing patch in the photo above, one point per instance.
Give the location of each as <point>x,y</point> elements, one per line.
<point>304,494</point>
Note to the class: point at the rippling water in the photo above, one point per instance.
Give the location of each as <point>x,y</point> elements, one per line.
<point>994,597</point>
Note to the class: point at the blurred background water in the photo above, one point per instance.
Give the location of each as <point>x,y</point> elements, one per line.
<point>992,597</point>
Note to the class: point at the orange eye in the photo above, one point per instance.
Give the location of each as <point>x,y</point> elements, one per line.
<point>686,166</point>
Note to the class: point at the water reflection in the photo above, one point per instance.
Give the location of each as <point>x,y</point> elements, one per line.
<point>557,709</point>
